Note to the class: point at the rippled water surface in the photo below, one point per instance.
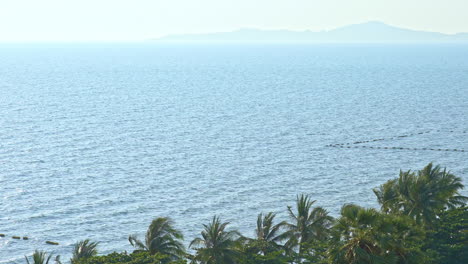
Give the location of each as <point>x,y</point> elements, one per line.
<point>96,140</point>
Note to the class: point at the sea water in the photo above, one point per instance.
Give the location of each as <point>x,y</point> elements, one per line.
<point>96,140</point>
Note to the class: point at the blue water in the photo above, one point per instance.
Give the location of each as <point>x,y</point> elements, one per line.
<point>98,139</point>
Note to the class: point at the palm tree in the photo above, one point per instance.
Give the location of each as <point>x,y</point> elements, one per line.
<point>41,257</point>
<point>217,245</point>
<point>267,234</point>
<point>84,249</point>
<point>363,235</point>
<point>161,238</point>
<point>422,195</point>
<point>387,196</point>
<point>309,224</point>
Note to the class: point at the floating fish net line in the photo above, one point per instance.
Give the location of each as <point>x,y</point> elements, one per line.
<point>357,144</point>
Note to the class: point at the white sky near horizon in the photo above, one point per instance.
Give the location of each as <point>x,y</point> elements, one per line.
<point>136,20</point>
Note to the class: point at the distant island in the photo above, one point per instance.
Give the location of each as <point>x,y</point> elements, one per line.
<point>370,32</point>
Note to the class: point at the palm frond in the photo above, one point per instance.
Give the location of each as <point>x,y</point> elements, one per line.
<point>84,249</point>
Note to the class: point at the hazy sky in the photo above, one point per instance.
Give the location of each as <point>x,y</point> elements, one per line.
<point>133,20</point>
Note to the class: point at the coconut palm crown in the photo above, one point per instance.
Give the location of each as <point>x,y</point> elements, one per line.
<point>268,234</point>
<point>216,245</point>
<point>41,257</point>
<point>161,237</point>
<point>308,224</point>
<point>84,249</point>
<point>363,235</point>
<point>422,195</point>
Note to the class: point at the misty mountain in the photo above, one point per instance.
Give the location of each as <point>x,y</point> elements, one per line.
<point>370,32</point>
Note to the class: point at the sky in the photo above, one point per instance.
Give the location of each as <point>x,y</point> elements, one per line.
<point>138,20</point>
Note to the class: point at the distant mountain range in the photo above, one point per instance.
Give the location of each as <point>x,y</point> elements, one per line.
<point>370,32</point>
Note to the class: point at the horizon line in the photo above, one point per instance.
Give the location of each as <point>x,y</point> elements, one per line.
<point>161,37</point>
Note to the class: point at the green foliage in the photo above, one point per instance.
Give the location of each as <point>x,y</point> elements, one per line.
<point>161,237</point>
<point>216,245</point>
<point>308,224</point>
<point>268,235</point>
<point>422,195</point>
<point>142,257</point>
<point>449,237</point>
<point>363,235</point>
<point>275,257</point>
<point>315,252</point>
<point>41,257</point>
<point>84,249</point>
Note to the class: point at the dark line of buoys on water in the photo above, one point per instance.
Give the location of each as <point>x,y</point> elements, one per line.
<point>397,148</point>
<point>350,145</point>
<point>400,136</point>
<point>391,138</point>
<point>27,238</point>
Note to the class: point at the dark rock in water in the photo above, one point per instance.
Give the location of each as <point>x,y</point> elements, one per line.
<point>2,235</point>
<point>25,238</point>
<point>16,237</point>
<point>52,243</point>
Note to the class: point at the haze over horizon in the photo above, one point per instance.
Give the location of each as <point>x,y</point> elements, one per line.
<point>120,20</point>
<point>369,32</point>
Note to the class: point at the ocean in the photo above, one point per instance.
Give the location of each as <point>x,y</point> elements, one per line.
<point>96,140</point>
